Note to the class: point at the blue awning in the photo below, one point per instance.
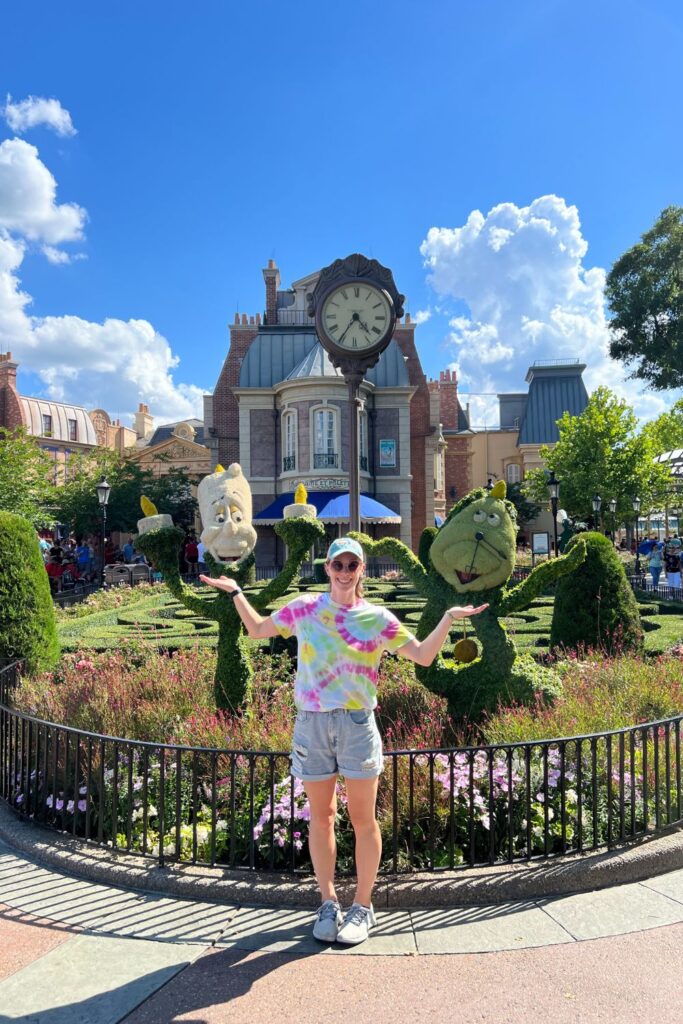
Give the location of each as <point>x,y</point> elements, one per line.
<point>332,506</point>
<point>438,521</point>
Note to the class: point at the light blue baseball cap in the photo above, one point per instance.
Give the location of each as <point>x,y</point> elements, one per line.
<point>337,547</point>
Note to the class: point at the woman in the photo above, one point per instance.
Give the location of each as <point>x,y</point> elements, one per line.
<point>341,638</point>
<point>655,564</point>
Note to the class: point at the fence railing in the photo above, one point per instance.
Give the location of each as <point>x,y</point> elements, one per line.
<point>438,809</point>
<point>662,591</point>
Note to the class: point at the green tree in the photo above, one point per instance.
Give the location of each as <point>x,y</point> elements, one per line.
<point>666,432</point>
<point>644,291</point>
<point>76,501</point>
<point>25,477</point>
<point>601,452</point>
<point>526,510</point>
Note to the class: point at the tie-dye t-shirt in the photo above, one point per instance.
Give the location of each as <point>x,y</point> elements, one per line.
<point>339,650</point>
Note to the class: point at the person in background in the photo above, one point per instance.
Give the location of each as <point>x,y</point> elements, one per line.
<point>201,564</point>
<point>654,560</point>
<point>672,562</point>
<point>44,546</point>
<point>128,552</point>
<point>191,555</point>
<point>82,557</point>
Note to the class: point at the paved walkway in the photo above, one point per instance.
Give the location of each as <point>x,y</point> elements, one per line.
<point>78,952</point>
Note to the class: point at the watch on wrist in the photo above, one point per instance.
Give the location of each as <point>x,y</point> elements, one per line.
<point>234,593</point>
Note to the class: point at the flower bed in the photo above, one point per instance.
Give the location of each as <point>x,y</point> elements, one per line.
<point>213,788</point>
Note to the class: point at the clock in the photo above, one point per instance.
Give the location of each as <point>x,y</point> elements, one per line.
<point>356,317</point>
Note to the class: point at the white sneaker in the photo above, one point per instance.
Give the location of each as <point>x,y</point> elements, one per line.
<point>327,922</point>
<point>357,924</point>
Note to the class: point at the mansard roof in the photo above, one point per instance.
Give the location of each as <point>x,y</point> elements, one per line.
<point>555,387</point>
<point>35,408</point>
<point>274,356</point>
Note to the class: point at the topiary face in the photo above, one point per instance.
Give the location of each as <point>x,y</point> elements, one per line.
<point>225,507</point>
<point>475,548</point>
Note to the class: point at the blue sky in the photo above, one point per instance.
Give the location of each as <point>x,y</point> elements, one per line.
<point>207,141</point>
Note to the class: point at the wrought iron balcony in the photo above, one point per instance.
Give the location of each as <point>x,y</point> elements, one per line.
<point>288,463</point>
<point>325,460</point>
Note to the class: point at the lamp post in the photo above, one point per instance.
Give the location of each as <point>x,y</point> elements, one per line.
<point>597,505</point>
<point>103,492</point>
<point>554,491</point>
<point>636,509</point>
<point>613,513</point>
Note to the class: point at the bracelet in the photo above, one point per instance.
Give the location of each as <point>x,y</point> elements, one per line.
<point>234,593</point>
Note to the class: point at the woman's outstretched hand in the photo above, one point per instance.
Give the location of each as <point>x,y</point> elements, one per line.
<point>467,612</point>
<point>225,583</point>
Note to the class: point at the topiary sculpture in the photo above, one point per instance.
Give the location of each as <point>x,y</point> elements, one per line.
<point>27,618</point>
<point>229,537</point>
<point>595,606</point>
<point>474,552</point>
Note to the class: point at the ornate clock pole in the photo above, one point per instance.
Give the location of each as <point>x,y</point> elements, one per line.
<point>355,304</point>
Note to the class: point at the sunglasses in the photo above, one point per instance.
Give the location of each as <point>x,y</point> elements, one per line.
<point>340,566</point>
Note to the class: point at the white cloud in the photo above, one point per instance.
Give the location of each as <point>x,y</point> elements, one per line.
<point>115,364</point>
<point>422,316</point>
<point>35,111</point>
<point>520,272</point>
<point>28,193</point>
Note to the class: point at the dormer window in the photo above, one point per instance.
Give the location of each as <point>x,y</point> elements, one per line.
<point>47,425</point>
<point>73,430</point>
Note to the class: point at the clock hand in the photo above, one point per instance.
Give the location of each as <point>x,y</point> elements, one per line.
<point>469,571</point>
<point>490,545</point>
<point>344,332</point>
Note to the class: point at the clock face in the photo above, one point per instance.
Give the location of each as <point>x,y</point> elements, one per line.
<point>356,316</point>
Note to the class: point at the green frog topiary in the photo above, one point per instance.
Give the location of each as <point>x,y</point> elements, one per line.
<point>472,556</point>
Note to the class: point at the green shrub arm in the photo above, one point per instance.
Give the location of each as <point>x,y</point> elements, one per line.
<point>521,596</point>
<point>161,548</point>
<point>403,556</point>
<point>299,534</point>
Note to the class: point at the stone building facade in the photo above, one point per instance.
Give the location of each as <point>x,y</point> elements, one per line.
<point>281,409</point>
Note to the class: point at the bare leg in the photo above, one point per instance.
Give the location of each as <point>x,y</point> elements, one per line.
<point>322,799</point>
<point>362,796</point>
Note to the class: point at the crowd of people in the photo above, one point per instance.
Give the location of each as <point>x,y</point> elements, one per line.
<point>665,555</point>
<point>71,559</point>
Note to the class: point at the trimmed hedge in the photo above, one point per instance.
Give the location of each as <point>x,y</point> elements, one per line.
<point>27,619</point>
<point>595,606</point>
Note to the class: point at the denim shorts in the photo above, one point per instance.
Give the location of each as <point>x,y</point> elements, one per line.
<point>337,742</point>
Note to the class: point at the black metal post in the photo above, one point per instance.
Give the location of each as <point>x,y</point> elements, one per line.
<point>104,535</point>
<point>553,506</point>
<point>354,380</point>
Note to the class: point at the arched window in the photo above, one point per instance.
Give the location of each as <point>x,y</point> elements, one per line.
<point>289,438</point>
<point>513,473</point>
<point>325,438</point>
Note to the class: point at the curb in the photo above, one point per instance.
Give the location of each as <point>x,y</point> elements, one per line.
<point>504,883</point>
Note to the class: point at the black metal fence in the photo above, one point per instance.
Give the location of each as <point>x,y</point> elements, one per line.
<point>438,809</point>
<point>662,592</point>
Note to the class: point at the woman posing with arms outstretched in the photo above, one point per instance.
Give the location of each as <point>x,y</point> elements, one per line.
<point>340,639</point>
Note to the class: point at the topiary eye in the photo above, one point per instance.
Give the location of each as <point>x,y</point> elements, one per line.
<point>220,514</point>
<point>493,519</point>
<point>479,516</point>
<point>235,514</point>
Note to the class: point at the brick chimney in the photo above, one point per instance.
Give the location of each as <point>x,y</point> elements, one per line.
<point>10,404</point>
<point>271,275</point>
<point>448,393</point>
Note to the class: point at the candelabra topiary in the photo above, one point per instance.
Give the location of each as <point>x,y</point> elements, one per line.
<point>229,527</point>
<point>472,556</point>
<point>27,619</point>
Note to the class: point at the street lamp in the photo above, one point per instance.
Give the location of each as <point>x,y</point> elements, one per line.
<point>554,490</point>
<point>103,492</point>
<point>613,513</point>
<point>597,505</point>
<point>636,509</point>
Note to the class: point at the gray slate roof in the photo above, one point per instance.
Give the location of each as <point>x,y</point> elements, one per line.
<point>276,356</point>
<point>553,390</point>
